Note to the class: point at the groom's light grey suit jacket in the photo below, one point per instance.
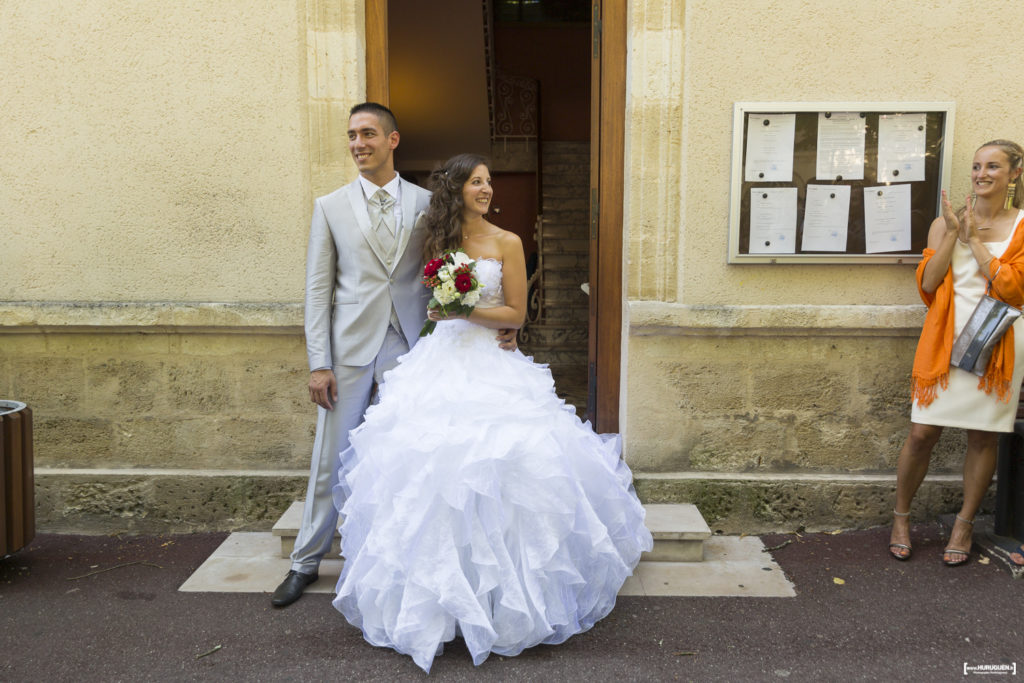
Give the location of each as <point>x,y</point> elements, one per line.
<point>352,281</point>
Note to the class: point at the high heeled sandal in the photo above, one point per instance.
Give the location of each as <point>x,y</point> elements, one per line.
<point>966,554</point>
<point>895,549</point>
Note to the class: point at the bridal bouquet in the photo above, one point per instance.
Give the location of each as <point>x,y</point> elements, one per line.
<point>453,283</point>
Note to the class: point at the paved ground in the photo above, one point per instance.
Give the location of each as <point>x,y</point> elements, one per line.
<point>885,621</point>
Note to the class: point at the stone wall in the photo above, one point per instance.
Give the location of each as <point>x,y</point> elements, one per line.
<point>202,423</point>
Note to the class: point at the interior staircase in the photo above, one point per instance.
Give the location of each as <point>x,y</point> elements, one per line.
<point>679,532</point>
<point>559,335</point>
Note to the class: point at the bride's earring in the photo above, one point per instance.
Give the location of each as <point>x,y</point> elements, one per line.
<point>1011,191</point>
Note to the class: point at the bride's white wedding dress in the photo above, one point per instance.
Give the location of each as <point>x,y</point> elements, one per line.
<point>475,503</point>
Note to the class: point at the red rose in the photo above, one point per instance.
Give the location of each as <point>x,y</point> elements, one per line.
<point>432,267</point>
<point>464,283</point>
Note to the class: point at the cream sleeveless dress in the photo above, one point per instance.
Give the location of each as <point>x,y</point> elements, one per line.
<point>963,404</point>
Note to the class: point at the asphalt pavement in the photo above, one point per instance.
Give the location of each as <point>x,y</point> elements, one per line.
<point>107,608</point>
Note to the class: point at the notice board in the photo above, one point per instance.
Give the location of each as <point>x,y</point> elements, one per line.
<point>837,182</point>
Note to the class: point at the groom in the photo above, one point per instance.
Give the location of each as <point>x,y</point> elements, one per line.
<point>365,306</point>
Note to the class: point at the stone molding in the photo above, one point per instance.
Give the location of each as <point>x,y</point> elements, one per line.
<point>34,317</point>
<point>646,318</point>
<point>650,318</point>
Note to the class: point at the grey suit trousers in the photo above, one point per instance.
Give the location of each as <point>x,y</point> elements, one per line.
<point>355,385</point>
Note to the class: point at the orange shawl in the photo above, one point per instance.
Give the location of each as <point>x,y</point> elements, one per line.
<point>931,362</point>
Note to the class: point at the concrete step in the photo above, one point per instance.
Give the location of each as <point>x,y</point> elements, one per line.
<point>679,532</point>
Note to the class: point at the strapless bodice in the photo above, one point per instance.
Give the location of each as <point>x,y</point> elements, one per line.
<point>488,272</point>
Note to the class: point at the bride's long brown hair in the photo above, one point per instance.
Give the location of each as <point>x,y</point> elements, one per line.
<point>443,218</point>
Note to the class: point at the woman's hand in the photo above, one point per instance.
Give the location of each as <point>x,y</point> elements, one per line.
<point>436,315</point>
<point>969,228</point>
<point>949,216</point>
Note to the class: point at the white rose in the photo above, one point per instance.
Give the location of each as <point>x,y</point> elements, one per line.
<point>471,298</point>
<point>446,293</point>
<point>445,274</point>
<point>461,259</point>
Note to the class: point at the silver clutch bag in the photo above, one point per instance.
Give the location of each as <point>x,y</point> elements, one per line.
<point>986,326</point>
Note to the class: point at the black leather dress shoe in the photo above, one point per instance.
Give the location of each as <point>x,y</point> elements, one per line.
<point>291,588</point>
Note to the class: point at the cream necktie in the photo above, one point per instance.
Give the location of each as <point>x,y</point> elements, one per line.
<point>382,217</point>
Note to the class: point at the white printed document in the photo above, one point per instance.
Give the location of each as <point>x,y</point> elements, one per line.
<point>770,147</point>
<point>773,220</point>
<point>901,147</point>
<point>887,218</point>
<point>826,218</point>
<point>840,146</point>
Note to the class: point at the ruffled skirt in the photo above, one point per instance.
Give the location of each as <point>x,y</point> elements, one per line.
<point>476,503</point>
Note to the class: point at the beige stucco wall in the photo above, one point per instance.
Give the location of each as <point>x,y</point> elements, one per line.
<point>153,151</point>
<point>690,61</point>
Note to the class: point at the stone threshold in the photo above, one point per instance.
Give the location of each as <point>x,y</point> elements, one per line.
<point>250,562</point>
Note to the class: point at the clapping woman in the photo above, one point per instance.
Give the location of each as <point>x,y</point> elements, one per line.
<point>975,250</point>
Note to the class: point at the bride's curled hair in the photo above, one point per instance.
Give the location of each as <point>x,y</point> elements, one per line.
<point>443,219</point>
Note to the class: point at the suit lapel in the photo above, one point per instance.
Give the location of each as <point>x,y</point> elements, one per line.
<point>358,203</point>
<point>408,218</point>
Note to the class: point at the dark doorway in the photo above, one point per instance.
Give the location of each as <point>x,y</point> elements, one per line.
<point>531,201</point>
<point>511,80</point>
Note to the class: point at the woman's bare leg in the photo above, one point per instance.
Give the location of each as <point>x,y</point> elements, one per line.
<point>979,466</point>
<point>911,469</point>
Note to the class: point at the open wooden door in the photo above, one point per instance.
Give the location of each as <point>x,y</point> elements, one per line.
<point>378,88</point>
<point>607,163</point>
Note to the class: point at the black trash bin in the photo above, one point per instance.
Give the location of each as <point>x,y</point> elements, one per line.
<point>17,478</point>
<point>1009,518</point>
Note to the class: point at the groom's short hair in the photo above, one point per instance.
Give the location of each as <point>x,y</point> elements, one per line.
<point>383,114</point>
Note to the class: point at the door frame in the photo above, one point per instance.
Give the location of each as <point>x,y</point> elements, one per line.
<point>607,168</point>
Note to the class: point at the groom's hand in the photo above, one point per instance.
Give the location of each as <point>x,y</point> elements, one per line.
<point>323,388</point>
<point>507,339</point>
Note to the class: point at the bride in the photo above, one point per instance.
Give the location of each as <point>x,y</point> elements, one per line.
<point>475,502</point>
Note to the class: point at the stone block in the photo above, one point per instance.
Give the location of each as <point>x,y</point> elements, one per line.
<point>221,502</point>
<point>841,445</point>
<point>50,385</point>
<point>102,345</point>
<point>127,386</point>
<point>752,506</point>
<point>6,376</point>
<point>265,442</point>
<point>797,385</point>
<point>199,385</point>
<point>162,503</point>
<point>70,441</point>
<point>121,498</point>
<point>277,386</point>
<point>736,443</point>
<point>696,386</point>
<point>156,441</point>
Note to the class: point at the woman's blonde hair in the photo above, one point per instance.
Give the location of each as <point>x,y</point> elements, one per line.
<point>1015,154</point>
